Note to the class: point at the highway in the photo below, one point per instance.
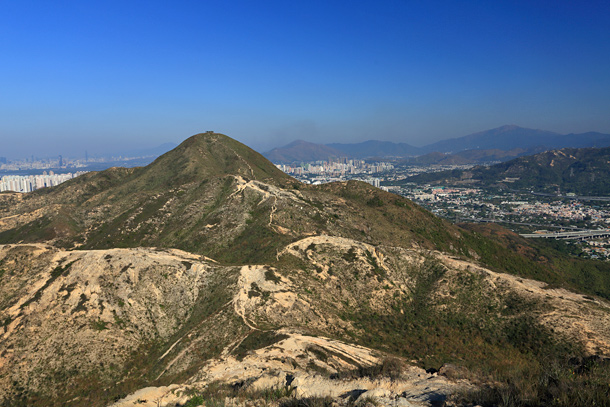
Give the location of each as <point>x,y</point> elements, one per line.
<point>581,234</point>
<point>493,220</point>
<point>574,234</point>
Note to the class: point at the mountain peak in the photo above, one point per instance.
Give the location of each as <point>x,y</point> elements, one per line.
<point>505,138</point>
<point>213,154</point>
<point>508,127</point>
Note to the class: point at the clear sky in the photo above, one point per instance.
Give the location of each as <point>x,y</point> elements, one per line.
<point>108,76</point>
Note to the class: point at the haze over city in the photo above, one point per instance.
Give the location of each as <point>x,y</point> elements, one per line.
<point>106,77</point>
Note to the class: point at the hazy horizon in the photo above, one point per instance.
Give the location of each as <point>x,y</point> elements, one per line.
<point>113,76</point>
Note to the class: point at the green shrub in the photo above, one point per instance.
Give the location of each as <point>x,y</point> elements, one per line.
<point>99,325</point>
<point>308,402</point>
<point>195,401</point>
<point>560,383</point>
<point>389,367</point>
<point>257,340</point>
<point>375,202</point>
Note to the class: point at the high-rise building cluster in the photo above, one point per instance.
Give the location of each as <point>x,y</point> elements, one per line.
<point>376,182</point>
<point>29,183</point>
<point>336,167</point>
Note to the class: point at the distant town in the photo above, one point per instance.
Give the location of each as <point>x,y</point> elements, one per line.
<point>30,174</point>
<point>54,163</point>
<point>29,183</point>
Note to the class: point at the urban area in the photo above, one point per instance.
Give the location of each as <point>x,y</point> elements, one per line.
<point>29,183</point>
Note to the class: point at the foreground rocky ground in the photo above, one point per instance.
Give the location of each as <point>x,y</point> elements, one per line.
<point>96,312</point>
<point>266,377</point>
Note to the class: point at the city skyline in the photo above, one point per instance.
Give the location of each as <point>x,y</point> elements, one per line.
<point>111,76</point>
<point>29,183</point>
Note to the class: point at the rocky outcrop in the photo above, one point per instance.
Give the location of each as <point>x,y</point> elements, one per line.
<point>174,318</point>
<point>78,313</point>
<point>288,363</point>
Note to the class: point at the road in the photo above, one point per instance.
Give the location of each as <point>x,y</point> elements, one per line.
<point>580,234</point>
<point>486,220</point>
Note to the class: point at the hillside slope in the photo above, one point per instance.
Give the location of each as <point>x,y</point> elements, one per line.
<point>581,171</point>
<point>211,266</point>
<point>207,197</point>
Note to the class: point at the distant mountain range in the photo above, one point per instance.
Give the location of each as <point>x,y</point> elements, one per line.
<point>499,144</point>
<point>471,156</point>
<point>583,171</point>
<point>511,137</point>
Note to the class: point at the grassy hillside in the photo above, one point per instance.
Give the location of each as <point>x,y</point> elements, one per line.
<point>543,260</point>
<point>580,171</point>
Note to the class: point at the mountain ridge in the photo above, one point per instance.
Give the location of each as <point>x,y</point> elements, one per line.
<point>505,137</point>
<point>582,171</point>
<point>509,138</point>
<point>210,265</point>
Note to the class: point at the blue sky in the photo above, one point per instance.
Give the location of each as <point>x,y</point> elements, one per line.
<point>117,75</point>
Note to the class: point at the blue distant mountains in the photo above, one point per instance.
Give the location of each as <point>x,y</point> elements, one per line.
<point>499,144</point>
<point>513,137</point>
